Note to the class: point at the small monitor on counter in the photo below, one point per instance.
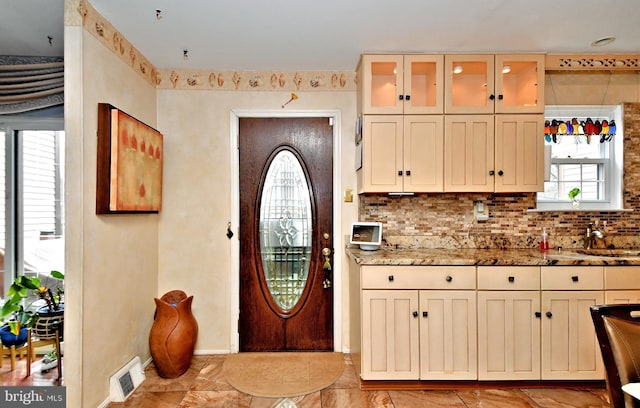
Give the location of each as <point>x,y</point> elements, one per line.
<point>366,234</point>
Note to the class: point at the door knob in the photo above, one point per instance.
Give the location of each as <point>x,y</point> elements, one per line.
<point>326,283</point>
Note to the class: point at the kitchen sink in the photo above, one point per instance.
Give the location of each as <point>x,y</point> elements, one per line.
<point>620,253</point>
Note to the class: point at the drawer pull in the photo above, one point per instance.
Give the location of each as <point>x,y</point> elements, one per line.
<point>538,314</point>
<point>449,278</point>
<point>390,278</point>
<point>512,279</point>
<point>575,278</point>
<point>415,313</point>
<point>425,314</point>
<point>549,314</point>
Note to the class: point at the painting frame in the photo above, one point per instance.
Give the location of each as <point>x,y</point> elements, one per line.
<point>129,164</point>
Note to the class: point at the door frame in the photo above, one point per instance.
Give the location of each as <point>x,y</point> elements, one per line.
<point>338,239</point>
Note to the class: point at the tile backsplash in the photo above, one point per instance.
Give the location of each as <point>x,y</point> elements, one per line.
<point>446,220</point>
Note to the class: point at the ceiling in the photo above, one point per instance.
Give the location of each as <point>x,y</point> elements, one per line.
<point>329,34</point>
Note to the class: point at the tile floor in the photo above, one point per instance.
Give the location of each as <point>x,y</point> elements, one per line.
<point>203,385</point>
<point>18,377</point>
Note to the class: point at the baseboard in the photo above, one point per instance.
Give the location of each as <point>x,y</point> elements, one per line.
<point>203,352</point>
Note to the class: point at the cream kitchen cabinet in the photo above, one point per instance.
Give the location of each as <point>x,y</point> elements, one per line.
<point>400,84</point>
<point>519,153</point>
<point>484,83</point>
<point>390,335</point>
<point>417,322</point>
<point>469,153</point>
<point>570,350</point>
<point>622,284</point>
<point>401,153</point>
<point>487,153</point>
<point>448,340</point>
<point>508,323</point>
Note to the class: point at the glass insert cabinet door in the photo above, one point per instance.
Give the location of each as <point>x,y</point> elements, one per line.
<point>401,84</point>
<point>469,83</point>
<point>519,83</point>
<point>285,230</point>
<point>504,83</point>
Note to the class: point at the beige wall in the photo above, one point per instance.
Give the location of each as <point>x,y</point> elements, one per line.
<point>194,252</point>
<point>112,261</point>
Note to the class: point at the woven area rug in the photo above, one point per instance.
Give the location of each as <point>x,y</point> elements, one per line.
<point>282,374</point>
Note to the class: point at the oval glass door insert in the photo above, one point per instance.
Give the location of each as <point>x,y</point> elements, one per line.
<point>285,230</point>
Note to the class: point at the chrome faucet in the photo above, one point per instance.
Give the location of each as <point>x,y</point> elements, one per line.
<point>592,233</point>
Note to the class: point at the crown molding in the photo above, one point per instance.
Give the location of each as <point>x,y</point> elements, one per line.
<point>592,62</point>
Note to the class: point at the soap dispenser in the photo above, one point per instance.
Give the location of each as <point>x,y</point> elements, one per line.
<point>544,240</point>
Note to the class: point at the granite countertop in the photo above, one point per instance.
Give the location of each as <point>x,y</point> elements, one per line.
<point>487,257</point>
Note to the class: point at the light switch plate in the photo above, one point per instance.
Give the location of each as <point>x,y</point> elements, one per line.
<point>480,211</point>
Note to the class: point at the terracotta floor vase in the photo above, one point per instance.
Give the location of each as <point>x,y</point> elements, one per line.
<point>173,334</point>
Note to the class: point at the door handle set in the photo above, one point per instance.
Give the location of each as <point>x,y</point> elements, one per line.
<point>326,283</point>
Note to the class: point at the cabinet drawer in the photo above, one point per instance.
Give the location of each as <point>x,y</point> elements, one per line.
<point>622,277</point>
<point>418,277</point>
<point>509,278</point>
<point>572,277</point>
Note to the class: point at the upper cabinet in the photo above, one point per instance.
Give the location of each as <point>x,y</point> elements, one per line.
<point>483,83</point>
<point>401,153</point>
<point>400,84</point>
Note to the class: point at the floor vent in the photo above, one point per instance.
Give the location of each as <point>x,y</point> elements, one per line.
<point>127,379</point>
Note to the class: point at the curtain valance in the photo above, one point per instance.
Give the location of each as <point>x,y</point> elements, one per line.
<point>30,83</point>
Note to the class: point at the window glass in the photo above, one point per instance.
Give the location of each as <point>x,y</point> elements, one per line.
<point>32,180</point>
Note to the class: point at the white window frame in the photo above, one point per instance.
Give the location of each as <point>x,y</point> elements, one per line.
<point>613,170</point>
<point>14,258</point>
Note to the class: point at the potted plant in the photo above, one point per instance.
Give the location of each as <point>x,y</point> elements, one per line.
<point>18,316</point>
<point>573,193</point>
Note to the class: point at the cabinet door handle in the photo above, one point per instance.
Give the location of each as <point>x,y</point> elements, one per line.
<point>407,97</point>
<point>501,97</point>
<point>425,314</point>
<point>492,172</point>
<point>492,97</point>
<point>415,313</point>
<point>399,172</point>
<point>500,173</point>
<point>549,314</point>
<point>391,278</point>
<point>512,279</point>
<point>407,172</point>
<point>538,314</point>
<point>449,278</point>
<point>575,278</point>
<point>401,97</point>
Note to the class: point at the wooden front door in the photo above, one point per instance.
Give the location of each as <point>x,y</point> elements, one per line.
<point>286,221</point>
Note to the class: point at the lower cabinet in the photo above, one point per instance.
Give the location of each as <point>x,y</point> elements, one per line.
<point>410,333</point>
<point>390,335</point>
<point>570,350</point>
<point>621,284</point>
<point>508,323</point>
<point>487,323</point>
<point>448,348</point>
